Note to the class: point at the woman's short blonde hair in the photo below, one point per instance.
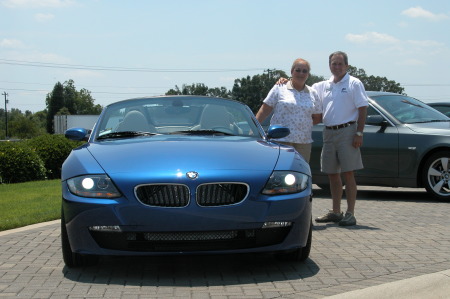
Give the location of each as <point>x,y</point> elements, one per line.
<point>300,60</point>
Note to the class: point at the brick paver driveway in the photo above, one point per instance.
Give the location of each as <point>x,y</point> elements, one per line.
<point>401,233</point>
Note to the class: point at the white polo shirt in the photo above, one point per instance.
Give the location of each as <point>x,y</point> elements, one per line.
<point>341,100</point>
<point>294,109</point>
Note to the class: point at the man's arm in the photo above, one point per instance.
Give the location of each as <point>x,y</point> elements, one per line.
<point>358,139</point>
<point>362,111</point>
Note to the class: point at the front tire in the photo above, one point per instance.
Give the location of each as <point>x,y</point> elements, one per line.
<point>436,175</point>
<point>300,254</point>
<point>72,259</point>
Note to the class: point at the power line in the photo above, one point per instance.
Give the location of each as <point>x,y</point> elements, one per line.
<point>118,69</point>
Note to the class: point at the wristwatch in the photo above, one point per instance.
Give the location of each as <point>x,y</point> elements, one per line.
<point>359,134</point>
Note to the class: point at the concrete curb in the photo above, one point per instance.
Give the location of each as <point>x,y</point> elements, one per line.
<point>24,228</point>
<point>435,285</point>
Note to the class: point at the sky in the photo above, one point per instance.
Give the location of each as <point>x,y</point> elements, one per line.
<point>120,49</point>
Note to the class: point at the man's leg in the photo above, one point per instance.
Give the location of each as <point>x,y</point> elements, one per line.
<point>336,191</point>
<point>350,191</point>
<point>335,214</point>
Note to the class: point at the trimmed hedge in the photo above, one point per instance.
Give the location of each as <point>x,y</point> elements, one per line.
<point>34,159</point>
<point>19,163</point>
<point>53,150</point>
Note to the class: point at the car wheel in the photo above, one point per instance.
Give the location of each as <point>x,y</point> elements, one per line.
<point>436,175</point>
<point>71,259</point>
<point>300,254</point>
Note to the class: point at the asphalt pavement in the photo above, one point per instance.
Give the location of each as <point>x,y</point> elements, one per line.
<point>398,249</point>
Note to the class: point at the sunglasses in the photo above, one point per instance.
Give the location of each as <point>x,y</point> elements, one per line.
<point>304,71</point>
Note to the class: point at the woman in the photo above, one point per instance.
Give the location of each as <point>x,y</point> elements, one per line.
<point>295,106</point>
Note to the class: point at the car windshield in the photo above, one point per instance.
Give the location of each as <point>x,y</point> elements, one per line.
<point>408,110</point>
<point>189,115</point>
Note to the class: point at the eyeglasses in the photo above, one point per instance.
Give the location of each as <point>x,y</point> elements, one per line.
<point>304,71</point>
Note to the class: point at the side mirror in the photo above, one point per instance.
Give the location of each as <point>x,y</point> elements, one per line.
<point>275,132</point>
<point>77,134</point>
<point>375,120</point>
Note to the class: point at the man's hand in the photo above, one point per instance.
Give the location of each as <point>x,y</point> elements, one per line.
<point>357,141</point>
<point>282,81</point>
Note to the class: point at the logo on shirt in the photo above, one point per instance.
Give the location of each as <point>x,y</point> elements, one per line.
<point>344,90</point>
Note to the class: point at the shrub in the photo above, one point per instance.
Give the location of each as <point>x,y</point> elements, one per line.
<point>53,150</point>
<point>20,163</point>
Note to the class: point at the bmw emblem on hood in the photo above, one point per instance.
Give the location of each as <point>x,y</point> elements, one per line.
<point>192,175</point>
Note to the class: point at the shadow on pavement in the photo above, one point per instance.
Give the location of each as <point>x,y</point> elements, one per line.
<point>191,271</point>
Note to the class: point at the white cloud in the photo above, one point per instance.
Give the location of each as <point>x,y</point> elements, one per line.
<point>11,44</point>
<point>426,43</point>
<point>44,17</point>
<point>419,12</point>
<point>412,62</point>
<point>37,3</point>
<point>371,37</point>
<point>393,46</point>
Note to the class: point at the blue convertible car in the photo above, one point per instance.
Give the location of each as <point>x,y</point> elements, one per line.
<point>183,175</point>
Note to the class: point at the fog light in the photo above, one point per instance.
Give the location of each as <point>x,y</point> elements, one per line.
<point>105,228</point>
<point>276,224</point>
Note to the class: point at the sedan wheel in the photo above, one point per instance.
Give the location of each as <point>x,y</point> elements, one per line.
<point>436,175</point>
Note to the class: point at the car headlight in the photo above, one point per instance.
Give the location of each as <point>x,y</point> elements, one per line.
<point>96,186</point>
<point>286,182</point>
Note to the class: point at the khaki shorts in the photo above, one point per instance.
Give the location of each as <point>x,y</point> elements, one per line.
<point>303,149</point>
<point>338,153</point>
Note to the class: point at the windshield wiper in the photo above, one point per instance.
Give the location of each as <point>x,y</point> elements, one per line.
<point>125,134</point>
<point>201,132</point>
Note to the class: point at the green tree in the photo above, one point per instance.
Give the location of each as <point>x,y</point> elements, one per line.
<point>375,83</point>
<point>314,79</point>
<point>70,97</point>
<point>25,126</point>
<point>84,103</point>
<point>220,92</point>
<point>199,89</point>
<point>63,111</point>
<point>54,102</point>
<point>66,100</point>
<point>252,90</point>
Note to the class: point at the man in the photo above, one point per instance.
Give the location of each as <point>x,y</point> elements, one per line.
<point>345,103</point>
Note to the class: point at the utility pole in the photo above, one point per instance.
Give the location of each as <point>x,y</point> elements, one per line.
<point>6,115</point>
<point>270,73</point>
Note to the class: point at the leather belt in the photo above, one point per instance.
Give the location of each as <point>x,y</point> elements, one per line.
<point>337,127</point>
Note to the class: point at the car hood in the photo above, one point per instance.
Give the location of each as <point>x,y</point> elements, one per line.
<point>171,155</point>
<point>435,128</point>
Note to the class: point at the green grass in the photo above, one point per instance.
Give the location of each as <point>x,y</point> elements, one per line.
<point>29,203</point>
